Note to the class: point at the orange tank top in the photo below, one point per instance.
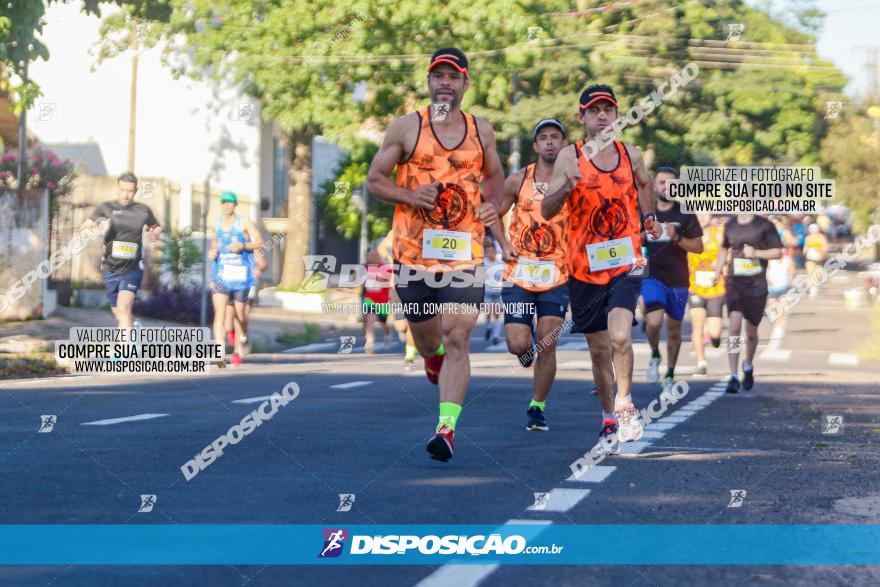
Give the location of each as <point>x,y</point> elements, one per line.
<point>603,207</point>
<point>451,234</point>
<point>540,243</point>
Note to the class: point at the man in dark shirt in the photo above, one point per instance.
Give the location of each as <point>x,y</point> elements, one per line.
<point>749,242</point>
<point>665,290</point>
<point>122,262</point>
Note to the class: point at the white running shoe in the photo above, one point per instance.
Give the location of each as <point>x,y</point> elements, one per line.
<point>653,373</point>
<point>629,426</point>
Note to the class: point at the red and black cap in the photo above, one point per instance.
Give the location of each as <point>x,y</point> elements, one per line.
<point>453,57</point>
<point>595,93</point>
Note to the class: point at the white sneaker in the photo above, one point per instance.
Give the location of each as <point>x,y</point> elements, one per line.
<point>653,373</point>
<point>629,426</point>
<point>702,368</point>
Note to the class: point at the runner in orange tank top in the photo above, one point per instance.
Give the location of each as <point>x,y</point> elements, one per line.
<point>443,158</point>
<point>536,281</point>
<point>606,188</point>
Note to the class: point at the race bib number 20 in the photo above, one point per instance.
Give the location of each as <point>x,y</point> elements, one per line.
<point>448,245</point>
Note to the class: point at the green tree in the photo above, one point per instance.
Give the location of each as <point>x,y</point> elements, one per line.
<point>178,253</point>
<point>758,99</point>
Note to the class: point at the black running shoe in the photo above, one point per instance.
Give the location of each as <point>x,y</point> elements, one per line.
<point>732,385</point>
<point>608,443</point>
<point>748,378</point>
<point>537,421</point>
<point>716,342</point>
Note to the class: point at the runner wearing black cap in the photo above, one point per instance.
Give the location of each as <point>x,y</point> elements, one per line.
<point>537,279</point>
<point>749,242</point>
<point>445,159</point>
<point>605,187</point>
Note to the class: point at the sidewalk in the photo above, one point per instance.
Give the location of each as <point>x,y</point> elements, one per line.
<point>39,336</point>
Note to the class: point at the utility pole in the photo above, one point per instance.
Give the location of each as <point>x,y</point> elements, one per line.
<point>132,108</point>
<point>22,135</point>
<point>515,159</point>
<point>203,302</point>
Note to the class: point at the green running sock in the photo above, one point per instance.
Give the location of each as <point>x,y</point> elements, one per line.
<point>535,402</point>
<point>410,353</point>
<point>449,413</point>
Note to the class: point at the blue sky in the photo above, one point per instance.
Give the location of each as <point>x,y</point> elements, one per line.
<point>850,26</point>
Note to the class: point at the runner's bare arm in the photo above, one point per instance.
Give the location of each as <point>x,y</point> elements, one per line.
<point>566,173</point>
<point>154,232</point>
<point>394,148</point>
<point>214,250</point>
<point>691,245</point>
<point>720,263</point>
<point>493,172</point>
<point>766,254</point>
<point>254,236</point>
<point>511,186</point>
<point>645,187</point>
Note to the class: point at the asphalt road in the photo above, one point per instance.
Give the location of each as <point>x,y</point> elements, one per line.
<point>359,427</point>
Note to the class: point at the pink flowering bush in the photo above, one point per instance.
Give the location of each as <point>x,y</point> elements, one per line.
<point>43,169</point>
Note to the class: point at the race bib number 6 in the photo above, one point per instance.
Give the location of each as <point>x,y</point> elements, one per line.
<point>448,245</point>
<point>124,250</point>
<point>610,254</point>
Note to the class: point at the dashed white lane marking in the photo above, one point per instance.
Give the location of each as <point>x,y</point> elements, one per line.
<point>633,448</point>
<point>135,418</point>
<point>675,419</point>
<point>470,575</point>
<point>844,359</point>
<point>562,499</point>
<point>251,400</point>
<point>775,355</point>
<point>595,474</point>
<point>350,385</point>
<point>653,434</point>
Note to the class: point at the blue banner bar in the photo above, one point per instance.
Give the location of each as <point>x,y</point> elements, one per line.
<point>568,544</point>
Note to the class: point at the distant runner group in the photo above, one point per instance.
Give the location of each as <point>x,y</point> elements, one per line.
<point>589,234</point>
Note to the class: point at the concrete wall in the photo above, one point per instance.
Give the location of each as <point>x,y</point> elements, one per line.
<point>23,247</point>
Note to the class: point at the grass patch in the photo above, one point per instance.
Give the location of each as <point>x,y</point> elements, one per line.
<point>309,333</point>
<point>23,364</point>
<point>870,350</point>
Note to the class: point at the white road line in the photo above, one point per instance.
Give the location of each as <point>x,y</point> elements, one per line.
<point>845,359</point>
<point>595,474</point>
<point>633,448</point>
<point>562,499</point>
<point>676,419</point>
<point>660,426</point>
<point>688,411</point>
<point>470,575</point>
<point>110,421</point>
<point>350,385</point>
<point>251,400</point>
<point>653,434</point>
<point>775,355</point>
